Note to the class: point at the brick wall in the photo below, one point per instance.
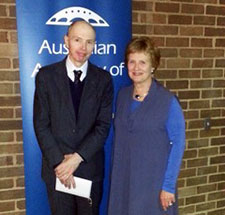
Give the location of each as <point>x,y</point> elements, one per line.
<point>12,200</point>
<point>190,34</point>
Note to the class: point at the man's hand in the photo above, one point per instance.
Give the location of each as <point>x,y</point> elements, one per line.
<point>67,167</point>
<point>70,182</point>
<point>167,199</point>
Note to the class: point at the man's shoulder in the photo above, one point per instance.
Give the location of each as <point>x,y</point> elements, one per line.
<point>53,66</point>
<point>99,71</point>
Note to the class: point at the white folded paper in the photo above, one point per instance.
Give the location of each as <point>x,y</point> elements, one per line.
<point>82,189</point>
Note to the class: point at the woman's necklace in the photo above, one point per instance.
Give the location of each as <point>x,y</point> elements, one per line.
<point>139,96</point>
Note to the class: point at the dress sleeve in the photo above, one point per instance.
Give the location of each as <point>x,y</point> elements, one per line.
<point>175,127</point>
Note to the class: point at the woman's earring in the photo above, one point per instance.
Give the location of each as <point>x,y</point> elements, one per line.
<point>152,71</point>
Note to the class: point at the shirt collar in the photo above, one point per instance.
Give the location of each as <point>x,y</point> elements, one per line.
<point>70,67</point>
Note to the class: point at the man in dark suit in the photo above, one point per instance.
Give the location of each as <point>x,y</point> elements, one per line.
<point>72,115</point>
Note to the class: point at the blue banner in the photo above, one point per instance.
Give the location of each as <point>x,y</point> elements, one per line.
<point>41,27</point>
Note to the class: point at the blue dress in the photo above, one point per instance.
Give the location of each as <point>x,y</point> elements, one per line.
<point>141,156</point>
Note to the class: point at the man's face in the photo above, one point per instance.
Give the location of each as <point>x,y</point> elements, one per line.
<point>80,41</point>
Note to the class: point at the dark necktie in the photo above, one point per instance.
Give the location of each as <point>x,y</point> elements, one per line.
<point>77,74</point>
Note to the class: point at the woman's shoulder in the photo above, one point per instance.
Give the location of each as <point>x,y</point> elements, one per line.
<point>163,90</point>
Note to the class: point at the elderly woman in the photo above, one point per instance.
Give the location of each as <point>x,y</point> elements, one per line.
<point>149,139</point>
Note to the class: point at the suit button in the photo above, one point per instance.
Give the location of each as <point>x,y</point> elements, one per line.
<point>73,130</point>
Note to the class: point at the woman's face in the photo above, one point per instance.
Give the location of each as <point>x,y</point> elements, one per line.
<point>139,67</point>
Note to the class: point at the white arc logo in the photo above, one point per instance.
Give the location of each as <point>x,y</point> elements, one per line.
<point>67,15</point>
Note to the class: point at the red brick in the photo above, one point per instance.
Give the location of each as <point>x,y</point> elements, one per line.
<point>11,148</point>
<point>218,160</point>
<point>191,134</point>
<point>166,7</point>
<point>206,1</point>
<point>6,137</point>
<point>199,104</point>
<point>211,93</point>
<point>197,162</point>
<point>207,170</point>
<point>195,124</point>
<point>12,194</point>
<point>191,31</point>
<point>10,125</point>
<point>12,11</point>
<point>190,74</point>
<point>213,53</point>
<point>218,103</point>
<point>159,19</point>
<point>221,21</point>
<point>212,73</point>
<point>213,10</point>
<point>20,182</point>
<point>219,83</point>
<point>208,152</point>
<point>215,32</point>
<point>200,42</point>
<point>6,183</point>
<point>138,29</point>
<point>197,181</point>
<point>187,173</point>
<point>166,74</point>
<point>210,113</point>
<point>220,63</point>
<point>192,8</point>
<point>177,42</point>
<point>11,172</point>
<point>216,195</point>
<point>178,63</point>
<point>4,63</point>
<point>209,133</point>
<point>189,94</point>
<point>6,88</point>
<point>20,204</point>
<point>195,199</point>
<point>168,52</point>
<point>8,23</point>
<point>13,37</point>
<point>142,5</point>
<point>204,20</point>
<point>190,154</point>
<point>177,84</point>
<point>6,113</point>
<point>9,75</point>
<point>198,143</point>
<point>7,206</point>
<point>6,160</point>
<point>10,101</point>
<point>3,10</point>
<point>218,141</point>
<point>191,114</point>
<point>179,19</point>
<point>4,37</point>
<point>201,84</point>
<point>217,212</point>
<point>220,43</point>
<point>206,206</point>
<point>165,30</point>
<point>191,53</point>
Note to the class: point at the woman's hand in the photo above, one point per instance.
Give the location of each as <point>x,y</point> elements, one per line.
<point>167,199</point>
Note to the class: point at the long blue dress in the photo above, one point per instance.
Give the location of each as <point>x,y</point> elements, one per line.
<point>141,152</point>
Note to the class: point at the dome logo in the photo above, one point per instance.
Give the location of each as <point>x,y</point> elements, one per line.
<point>68,15</point>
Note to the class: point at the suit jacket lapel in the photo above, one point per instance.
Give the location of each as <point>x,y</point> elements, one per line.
<point>89,90</point>
<point>63,84</point>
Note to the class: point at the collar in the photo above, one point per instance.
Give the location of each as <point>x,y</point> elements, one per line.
<point>70,67</point>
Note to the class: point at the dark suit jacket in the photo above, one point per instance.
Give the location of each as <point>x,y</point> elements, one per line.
<point>60,132</point>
